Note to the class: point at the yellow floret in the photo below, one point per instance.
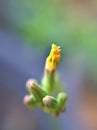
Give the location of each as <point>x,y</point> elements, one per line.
<point>53,58</point>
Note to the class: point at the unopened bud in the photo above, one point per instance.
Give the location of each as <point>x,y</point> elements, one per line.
<point>29,84</point>
<point>29,100</point>
<point>51,103</point>
<point>62,98</point>
<point>35,89</point>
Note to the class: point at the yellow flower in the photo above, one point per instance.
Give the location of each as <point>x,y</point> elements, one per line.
<point>53,58</point>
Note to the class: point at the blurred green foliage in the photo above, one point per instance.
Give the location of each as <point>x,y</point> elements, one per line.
<point>71,24</point>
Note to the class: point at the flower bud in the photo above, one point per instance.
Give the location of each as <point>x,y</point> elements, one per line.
<point>30,83</point>
<point>62,98</point>
<point>50,103</point>
<point>49,79</point>
<point>29,100</point>
<point>35,89</point>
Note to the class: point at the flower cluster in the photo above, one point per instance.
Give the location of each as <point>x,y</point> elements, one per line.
<point>42,95</point>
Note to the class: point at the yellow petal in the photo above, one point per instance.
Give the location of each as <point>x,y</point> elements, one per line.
<point>53,58</point>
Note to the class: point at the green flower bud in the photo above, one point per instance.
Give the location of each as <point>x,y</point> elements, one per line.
<point>36,90</point>
<point>62,98</point>
<point>30,83</point>
<point>29,101</point>
<point>50,103</point>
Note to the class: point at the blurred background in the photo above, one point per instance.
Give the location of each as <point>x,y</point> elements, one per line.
<point>27,30</point>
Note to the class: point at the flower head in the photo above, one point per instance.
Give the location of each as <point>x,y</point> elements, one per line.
<point>53,58</point>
